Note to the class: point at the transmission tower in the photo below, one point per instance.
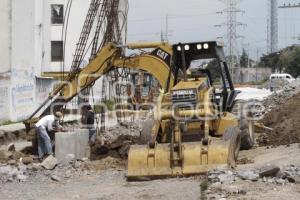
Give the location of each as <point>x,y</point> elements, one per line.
<point>232,36</point>
<point>272,38</point>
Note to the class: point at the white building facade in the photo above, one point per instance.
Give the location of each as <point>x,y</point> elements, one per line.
<point>31,44</point>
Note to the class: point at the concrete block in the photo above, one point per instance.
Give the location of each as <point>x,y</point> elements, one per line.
<point>49,163</point>
<point>64,144</point>
<point>76,143</point>
<point>82,142</point>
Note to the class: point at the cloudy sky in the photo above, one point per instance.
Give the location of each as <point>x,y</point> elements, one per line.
<point>195,20</point>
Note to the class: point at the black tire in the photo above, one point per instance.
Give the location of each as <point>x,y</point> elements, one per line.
<point>247,141</point>
<point>233,135</point>
<point>145,136</point>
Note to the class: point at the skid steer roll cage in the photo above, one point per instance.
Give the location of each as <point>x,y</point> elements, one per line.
<point>184,54</point>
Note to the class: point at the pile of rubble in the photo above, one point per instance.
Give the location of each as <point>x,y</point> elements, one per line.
<point>27,168</point>
<point>280,97</point>
<point>115,141</point>
<point>221,182</point>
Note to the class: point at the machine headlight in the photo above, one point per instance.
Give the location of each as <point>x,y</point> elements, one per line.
<point>199,46</point>
<point>205,46</point>
<point>187,47</point>
<point>178,48</point>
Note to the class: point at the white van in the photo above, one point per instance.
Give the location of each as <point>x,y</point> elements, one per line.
<point>277,81</point>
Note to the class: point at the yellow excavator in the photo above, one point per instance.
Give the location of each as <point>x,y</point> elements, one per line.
<point>193,128</point>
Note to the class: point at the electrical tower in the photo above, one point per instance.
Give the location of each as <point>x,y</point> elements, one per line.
<point>232,36</point>
<point>272,37</point>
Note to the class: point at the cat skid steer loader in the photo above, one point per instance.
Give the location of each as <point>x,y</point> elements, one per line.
<point>193,130</point>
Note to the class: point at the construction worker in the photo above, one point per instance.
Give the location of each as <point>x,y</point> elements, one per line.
<point>43,127</point>
<point>89,121</point>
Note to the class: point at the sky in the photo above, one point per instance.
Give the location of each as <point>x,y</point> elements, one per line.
<point>195,20</point>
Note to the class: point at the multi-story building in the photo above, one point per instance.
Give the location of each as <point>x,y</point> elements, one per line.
<point>32,45</point>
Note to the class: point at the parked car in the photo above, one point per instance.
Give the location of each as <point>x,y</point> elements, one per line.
<point>277,81</point>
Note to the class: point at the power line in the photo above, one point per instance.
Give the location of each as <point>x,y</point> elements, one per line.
<point>232,36</point>
<point>289,5</point>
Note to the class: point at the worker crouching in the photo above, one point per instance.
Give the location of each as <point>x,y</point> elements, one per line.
<point>43,127</point>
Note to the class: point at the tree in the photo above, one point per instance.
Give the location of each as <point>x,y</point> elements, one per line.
<point>287,60</point>
<point>244,59</point>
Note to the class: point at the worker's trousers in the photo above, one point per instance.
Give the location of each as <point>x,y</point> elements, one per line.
<point>92,134</point>
<point>44,142</point>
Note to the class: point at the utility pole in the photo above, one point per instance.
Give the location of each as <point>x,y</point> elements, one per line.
<point>289,5</point>
<point>231,24</point>
<point>272,26</point>
<point>167,27</point>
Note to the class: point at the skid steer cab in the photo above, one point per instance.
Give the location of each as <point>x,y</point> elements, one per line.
<point>193,130</point>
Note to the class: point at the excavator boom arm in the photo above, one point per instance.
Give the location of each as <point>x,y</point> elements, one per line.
<point>156,63</point>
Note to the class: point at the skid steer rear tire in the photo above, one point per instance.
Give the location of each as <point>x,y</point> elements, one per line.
<point>146,131</point>
<point>247,140</point>
<point>233,135</point>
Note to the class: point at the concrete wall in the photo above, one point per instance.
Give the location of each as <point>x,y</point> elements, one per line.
<point>42,36</point>
<point>246,75</point>
<point>43,87</point>
<point>5,24</point>
<point>77,16</point>
<point>24,52</point>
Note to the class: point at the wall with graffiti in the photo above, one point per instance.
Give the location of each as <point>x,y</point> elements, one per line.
<point>22,94</point>
<point>43,87</point>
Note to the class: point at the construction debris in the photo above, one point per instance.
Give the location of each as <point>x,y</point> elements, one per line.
<point>11,147</point>
<point>278,98</point>
<point>49,163</point>
<point>266,173</point>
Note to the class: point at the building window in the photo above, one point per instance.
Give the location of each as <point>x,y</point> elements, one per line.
<point>57,14</point>
<point>57,51</point>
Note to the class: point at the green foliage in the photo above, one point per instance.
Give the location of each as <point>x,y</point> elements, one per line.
<point>108,103</point>
<point>287,60</point>
<point>7,122</point>
<point>244,59</point>
<point>204,185</point>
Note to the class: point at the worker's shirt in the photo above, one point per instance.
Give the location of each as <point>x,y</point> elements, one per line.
<point>49,122</point>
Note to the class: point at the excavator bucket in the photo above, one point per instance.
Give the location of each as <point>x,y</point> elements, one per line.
<point>197,158</point>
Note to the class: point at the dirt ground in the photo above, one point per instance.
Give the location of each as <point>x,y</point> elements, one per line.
<point>285,121</point>
<point>110,183</point>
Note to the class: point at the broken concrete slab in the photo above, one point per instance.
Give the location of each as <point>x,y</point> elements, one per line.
<point>11,147</point>
<point>55,178</point>
<point>269,171</point>
<point>248,175</point>
<point>49,163</point>
<point>226,178</point>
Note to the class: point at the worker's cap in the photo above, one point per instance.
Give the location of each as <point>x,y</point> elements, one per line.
<point>58,115</point>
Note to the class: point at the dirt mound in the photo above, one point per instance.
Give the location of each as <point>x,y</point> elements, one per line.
<point>118,148</point>
<point>285,121</point>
